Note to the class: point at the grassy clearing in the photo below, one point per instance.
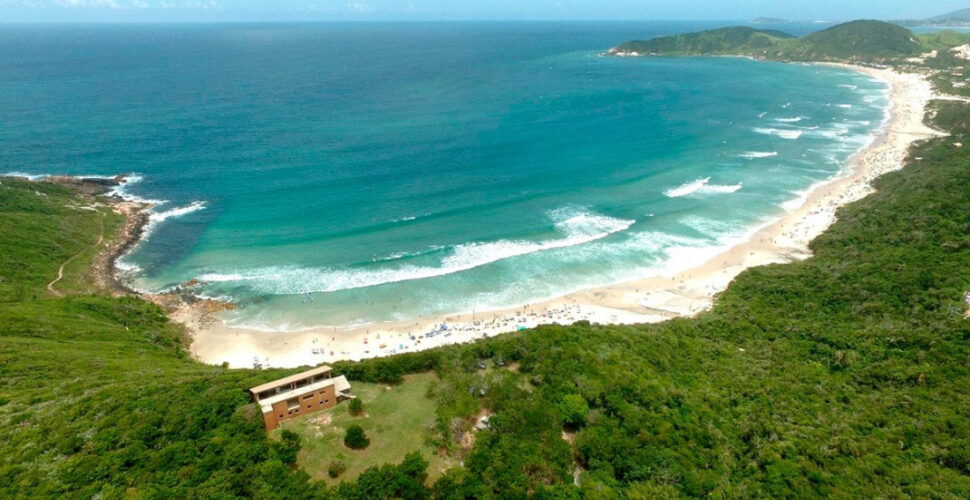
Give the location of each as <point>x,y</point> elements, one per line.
<point>397,419</point>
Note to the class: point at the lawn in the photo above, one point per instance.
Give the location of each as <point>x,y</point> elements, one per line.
<point>397,419</point>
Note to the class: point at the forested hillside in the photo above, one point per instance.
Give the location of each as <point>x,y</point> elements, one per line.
<point>845,375</point>
<point>861,41</point>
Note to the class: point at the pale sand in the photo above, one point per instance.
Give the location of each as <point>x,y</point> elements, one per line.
<point>680,293</point>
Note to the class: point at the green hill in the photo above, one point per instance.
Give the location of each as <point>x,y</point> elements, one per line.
<point>856,41</point>
<point>97,396</point>
<point>859,39</point>
<point>732,40</point>
<point>961,16</point>
<point>956,18</point>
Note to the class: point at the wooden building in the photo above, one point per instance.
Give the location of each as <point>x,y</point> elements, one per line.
<point>299,394</point>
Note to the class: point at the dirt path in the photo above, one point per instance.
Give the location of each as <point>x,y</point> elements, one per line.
<point>60,270</point>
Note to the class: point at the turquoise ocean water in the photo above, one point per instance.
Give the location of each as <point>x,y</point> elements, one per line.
<point>350,173</point>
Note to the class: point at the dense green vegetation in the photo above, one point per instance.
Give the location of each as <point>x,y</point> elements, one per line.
<point>869,41</point>
<point>733,40</point>
<point>96,395</point>
<point>845,375</point>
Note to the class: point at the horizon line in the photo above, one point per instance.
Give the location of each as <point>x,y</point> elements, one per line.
<point>401,21</point>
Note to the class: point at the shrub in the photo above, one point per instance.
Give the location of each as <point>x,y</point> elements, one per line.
<point>356,407</point>
<point>356,438</point>
<point>574,410</point>
<point>336,468</point>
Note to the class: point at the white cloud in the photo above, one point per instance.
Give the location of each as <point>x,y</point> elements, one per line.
<point>116,4</point>
<point>361,7</point>
<point>96,4</point>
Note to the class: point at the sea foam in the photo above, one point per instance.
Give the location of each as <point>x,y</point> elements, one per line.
<point>121,191</point>
<point>576,227</point>
<point>157,217</point>
<point>783,133</point>
<point>700,186</point>
<point>24,175</point>
<point>751,155</point>
<point>794,119</point>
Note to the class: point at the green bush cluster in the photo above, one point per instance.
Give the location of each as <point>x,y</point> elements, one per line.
<point>355,438</point>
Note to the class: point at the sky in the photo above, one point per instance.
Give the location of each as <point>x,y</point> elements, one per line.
<point>464,10</point>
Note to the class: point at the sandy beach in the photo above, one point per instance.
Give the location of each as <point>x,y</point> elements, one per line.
<point>681,292</point>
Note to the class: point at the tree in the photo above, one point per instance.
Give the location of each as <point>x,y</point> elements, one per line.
<point>356,438</point>
<point>574,410</point>
<point>356,407</point>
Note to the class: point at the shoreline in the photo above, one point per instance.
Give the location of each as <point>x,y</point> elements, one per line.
<point>136,214</point>
<point>682,293</point>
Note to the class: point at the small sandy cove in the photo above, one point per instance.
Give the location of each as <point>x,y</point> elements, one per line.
<point>683,293</point>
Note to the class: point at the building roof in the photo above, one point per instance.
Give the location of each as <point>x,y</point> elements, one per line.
<point>340,384</point>
<point>289,380</point>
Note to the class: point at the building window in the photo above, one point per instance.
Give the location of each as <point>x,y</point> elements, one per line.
<point>293,404</point>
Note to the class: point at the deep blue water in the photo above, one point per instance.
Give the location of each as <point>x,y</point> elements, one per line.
<point>397,170</point>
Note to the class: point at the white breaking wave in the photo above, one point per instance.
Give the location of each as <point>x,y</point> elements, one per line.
<point>714,188</point>
<point>24,175</point>
<point>686,189</point>
<point>126,267</point>
<point>783,133</point>
<point>847,86</point>
<point>751,155</point>
<point>844,106</point>
<point>577,228</point>
<point>121,191</point>
<point>156,217</point>
<point>700,186</point>
<point>795,119</point>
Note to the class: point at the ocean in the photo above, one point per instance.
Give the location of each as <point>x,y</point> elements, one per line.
<point>347,174</point>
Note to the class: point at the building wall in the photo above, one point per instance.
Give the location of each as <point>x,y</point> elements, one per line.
<point>307,403</point>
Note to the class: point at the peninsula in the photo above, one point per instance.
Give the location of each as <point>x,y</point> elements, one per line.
<point>857,41</point>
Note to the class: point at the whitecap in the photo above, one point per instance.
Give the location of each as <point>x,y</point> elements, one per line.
<point>751,155</point>
<point>576,226</point>
<point>783,133</point>
<point>156,217</point>
<point>700,186</point>
<point>795,119</point>
<point>686,189</point>
<point>714,188</point>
